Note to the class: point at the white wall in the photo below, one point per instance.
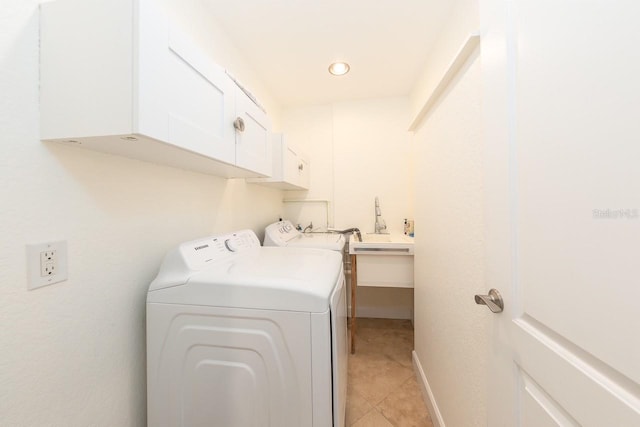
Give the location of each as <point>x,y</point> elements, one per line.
<point>451,332</point>
<point>359,150</point>
<point>371,158</point>
<point>73,354</point>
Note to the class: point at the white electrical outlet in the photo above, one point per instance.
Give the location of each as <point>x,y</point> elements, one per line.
<point>46,264</point>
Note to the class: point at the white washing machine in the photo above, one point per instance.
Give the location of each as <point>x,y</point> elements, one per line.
<point>283,233</point>
<point>244,335</point>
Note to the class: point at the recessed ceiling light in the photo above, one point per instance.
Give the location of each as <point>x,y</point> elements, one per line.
<point>339,68</point>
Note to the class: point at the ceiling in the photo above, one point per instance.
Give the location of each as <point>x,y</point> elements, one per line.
<point>291,43</point>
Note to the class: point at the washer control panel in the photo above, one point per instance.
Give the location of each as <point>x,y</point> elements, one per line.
<point>199,253</point>
<point>281,232</point>
<point>287,228</point>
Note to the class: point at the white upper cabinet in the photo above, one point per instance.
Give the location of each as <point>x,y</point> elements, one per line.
<point>120,77</point>
<point>290,167</point>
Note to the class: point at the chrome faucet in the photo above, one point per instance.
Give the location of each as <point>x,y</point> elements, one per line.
<point>380,225</point>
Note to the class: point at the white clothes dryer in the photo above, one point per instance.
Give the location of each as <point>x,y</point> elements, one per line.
<point>283,233</point>
<point>244,335</point>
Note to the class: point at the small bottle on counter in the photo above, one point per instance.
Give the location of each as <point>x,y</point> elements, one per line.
<point>408,227</point>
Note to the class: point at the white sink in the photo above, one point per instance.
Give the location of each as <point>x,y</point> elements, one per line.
<point>381,244</point>
<point>376,238</point>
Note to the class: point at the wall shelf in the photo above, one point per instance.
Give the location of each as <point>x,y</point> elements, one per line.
<point>467,49</point>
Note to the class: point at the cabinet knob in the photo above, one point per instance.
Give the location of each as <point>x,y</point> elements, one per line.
<point>300,166</point>
<point>239,124</point>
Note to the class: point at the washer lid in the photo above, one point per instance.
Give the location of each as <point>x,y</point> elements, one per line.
<point>270,278</point>
<point>283,233</point>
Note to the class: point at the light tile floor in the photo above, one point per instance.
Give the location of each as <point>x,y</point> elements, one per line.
<point>382,390</point>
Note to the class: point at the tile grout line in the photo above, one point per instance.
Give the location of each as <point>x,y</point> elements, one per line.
<point>383,416</point>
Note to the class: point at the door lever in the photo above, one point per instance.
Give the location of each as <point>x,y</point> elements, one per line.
<point>493,301</point>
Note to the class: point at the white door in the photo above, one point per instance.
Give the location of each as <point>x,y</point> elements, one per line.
<point>562,104</point>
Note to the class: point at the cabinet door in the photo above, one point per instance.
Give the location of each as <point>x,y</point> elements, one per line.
<point>304,175</point>
<point>200,101</point>
<point>296,168</point>
<point>253,144</point>
<point>290,165</point>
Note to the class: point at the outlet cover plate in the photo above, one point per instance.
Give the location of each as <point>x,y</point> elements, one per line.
<point>34,264</point>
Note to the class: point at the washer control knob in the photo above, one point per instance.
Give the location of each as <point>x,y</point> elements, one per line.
<point>231,245</point>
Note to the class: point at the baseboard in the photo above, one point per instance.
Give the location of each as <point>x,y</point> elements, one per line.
<point>427,394</point>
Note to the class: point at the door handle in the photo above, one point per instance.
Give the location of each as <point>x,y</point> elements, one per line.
<point>493,301</point>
